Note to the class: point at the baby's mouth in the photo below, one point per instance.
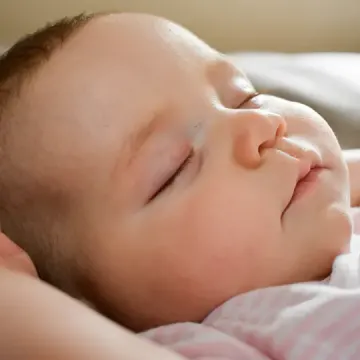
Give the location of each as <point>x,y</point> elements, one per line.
<point>305,184</point>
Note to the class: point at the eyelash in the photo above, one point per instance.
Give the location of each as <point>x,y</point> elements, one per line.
<point>249,98</point>
<point>174,176</point>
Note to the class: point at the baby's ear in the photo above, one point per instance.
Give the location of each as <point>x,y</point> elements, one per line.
<point>14,258</point>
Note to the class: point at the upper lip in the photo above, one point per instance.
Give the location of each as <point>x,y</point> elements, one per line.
<point>304,169</point>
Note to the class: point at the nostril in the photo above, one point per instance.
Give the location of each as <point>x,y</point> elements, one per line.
<point>280,126</point>
<point>267,144</point>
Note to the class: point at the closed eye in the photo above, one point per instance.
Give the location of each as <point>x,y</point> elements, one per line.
<point>249,98</point>
<point>172,178</point>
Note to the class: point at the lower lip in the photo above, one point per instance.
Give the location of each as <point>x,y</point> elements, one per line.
<point>305,185</point>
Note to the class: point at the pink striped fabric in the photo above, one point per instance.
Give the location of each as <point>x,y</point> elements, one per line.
<point>309,321</point>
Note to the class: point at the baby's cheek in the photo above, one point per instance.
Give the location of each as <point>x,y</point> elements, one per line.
<point>222,236</point>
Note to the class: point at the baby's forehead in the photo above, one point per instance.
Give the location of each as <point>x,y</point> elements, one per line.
<point>151,46</point>
<point>141,48</point>
<point>144,35</point>
<point>132,48</point>
<point>134,45</point>
<point>149,28</point>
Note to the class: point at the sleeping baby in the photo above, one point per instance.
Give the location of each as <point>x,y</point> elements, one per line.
<point>146,177</point>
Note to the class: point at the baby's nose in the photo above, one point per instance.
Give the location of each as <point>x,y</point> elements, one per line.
<point>253,131</point>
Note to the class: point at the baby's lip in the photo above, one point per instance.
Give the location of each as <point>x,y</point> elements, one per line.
<point>306,170</point>
<point>305,167</point>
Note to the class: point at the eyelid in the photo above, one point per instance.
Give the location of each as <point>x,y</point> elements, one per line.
<point>183,175</point>
<point>165,164</point>
<point>249,97</point>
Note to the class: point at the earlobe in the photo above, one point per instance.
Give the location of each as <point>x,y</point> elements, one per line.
<point>20,263</point>
<point>14,258</point>
<point>7,247</point>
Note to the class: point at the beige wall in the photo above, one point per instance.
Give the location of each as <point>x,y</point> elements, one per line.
<point>286,25</point>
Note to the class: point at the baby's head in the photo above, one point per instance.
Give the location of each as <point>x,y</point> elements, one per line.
<point>143,173</point>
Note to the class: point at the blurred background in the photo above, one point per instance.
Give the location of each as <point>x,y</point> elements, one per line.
<point>302,50</point>
<point>228,25</point>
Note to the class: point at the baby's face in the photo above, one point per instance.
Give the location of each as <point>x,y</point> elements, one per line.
<point>182,181</point>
